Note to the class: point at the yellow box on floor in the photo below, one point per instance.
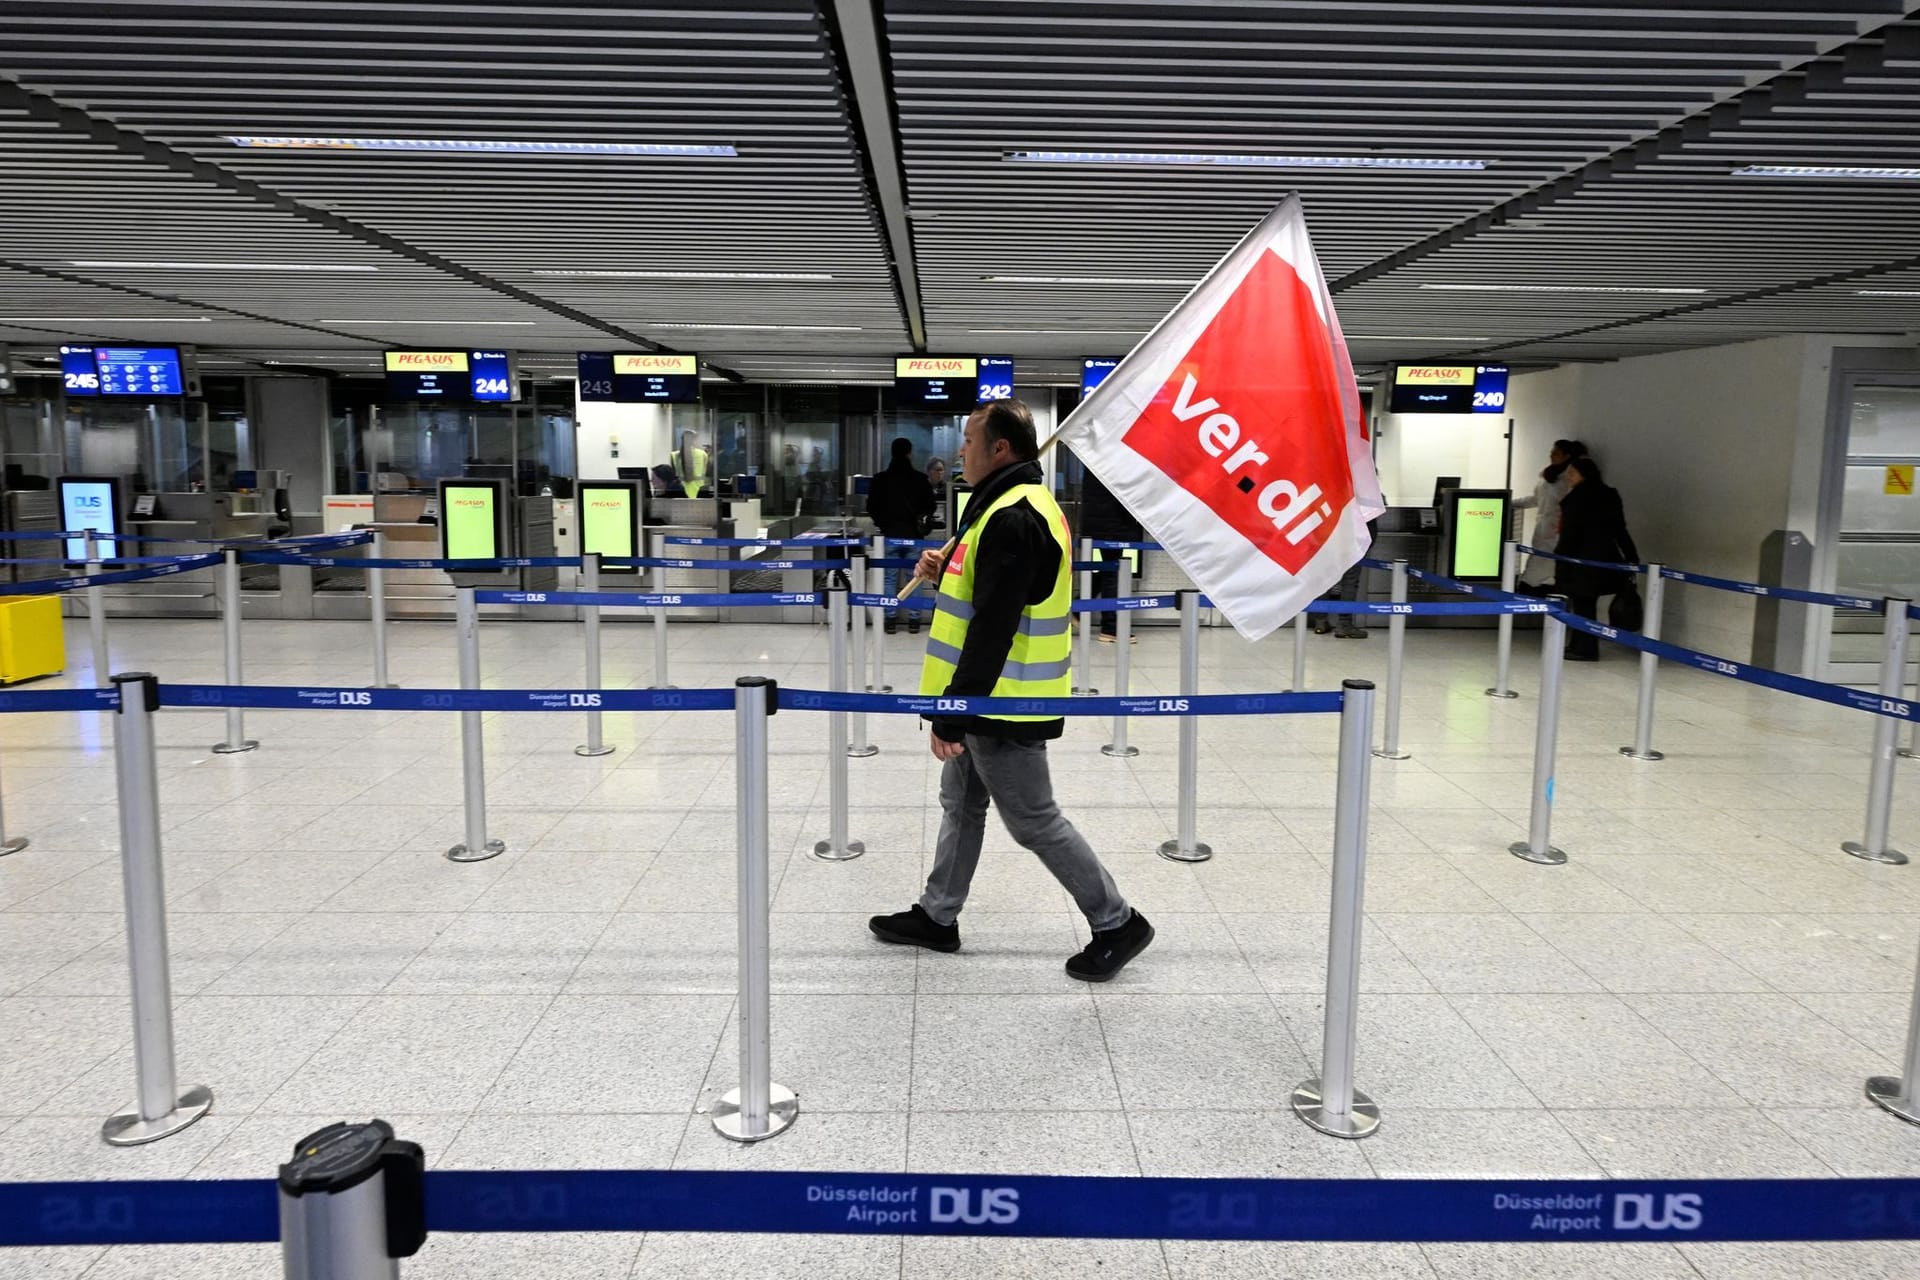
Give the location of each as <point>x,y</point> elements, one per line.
<point>31,643</point>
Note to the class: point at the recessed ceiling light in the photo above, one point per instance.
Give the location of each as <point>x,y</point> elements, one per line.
<point>1559,288</point>
<point>462,324</point>
<point>483,144</point>
<point>692,275</point>
<point>105,320</point>
<point>1822,171</point>
<point>1230,160</point>
<point>818,328</point>
<point>220,266</point>
<point>1058,331</point>
<point>1179,280</point>
<point>1413,337</point>
<point>1887,293</point>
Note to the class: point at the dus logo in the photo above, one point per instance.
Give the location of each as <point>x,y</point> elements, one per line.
<point>1635,1212</point>
<point>1172,704</point>
<point>1727,668</point>
<point>535,597</point>
<point>583,699</point>
<point>999,1205</point>
<point>352,698</point>
<point>1896,708</point>
<point>669,599</point>
<point>949,704</point>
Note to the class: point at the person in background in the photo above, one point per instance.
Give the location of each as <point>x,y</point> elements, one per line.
<point>691,465</point>
<point>899,502</point>
<point>1103,518</point>
<point>1352,586</point>
<point>1001,630</point>
<point>1593,526</point>
<point>1548,490</point>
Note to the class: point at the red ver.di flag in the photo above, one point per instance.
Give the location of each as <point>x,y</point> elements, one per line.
<point>1234,433</point>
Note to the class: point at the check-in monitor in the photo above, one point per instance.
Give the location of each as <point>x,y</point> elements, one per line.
<point>1476,524</point>
<point>90,503</point>
<point>610,514</point>
<point>473,519</point>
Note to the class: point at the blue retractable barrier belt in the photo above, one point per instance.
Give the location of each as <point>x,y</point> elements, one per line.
<point>1783,593</point>
<point>319,698</point>
<point>1100,544</point>
<point>1428,608</point>
<point>1125,603</point>
<point>653,600</point>
<point>1465,588</point>
<point>913,604</point>
<point>1420,1210</point>
<point>677,541</point>
<point>1591,564</point>
<point>1838,695</point>
<point>49,586</point>
<point>60,700</point>
<point>1205,704</point>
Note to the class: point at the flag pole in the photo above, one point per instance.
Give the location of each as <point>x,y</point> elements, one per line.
<point>914,583</point>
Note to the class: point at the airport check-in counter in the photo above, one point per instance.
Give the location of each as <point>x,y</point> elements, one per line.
<point>429,593</point>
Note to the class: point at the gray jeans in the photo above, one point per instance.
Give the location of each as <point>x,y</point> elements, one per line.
<point>1013,775</point>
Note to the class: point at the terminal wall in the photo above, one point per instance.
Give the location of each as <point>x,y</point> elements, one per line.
<point>642,432</point>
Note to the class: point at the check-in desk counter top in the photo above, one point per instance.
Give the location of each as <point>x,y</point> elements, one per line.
<point>180,595</point>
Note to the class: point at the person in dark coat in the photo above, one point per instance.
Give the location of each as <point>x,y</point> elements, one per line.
<point>1103,518</point>
<point>1593,526</point>
<point>899,501</point>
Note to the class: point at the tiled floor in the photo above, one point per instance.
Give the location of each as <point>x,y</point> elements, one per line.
<point>1699,992</point>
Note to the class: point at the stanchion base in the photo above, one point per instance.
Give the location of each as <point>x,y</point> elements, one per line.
<point>126,1129</point>
<point>14,845</point>
<point>1120,753</point>
<point>388,685</point>
<point>1631,754</point>
<point>492,849</point>
<point>230,749</point>
<point>1501,693</point>
<point>1888,1093</point>
<point>602,750</point>
<point>1551,858</point>
<point>1891,856</point>
<point>782,1111</point>
<point>827,853</point>
<point>1393,755</point>
<point>879,688</point>
<point>1359,1121</point>
<point>861,753</point>
<point>663,686</point>
<point>1172,852</point>
<point>1086,693</point>
<point>1911,755</point>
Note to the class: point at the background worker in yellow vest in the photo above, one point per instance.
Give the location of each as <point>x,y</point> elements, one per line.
<point>691,465</point>
<point>1000,628</point>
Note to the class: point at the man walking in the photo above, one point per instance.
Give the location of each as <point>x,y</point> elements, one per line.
<point>1000,628</point>
<point>900,502</point>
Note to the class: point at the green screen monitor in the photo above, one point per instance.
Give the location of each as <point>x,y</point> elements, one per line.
<point>1476,527</point>
<point>610,521</point>
<point>473,519</point>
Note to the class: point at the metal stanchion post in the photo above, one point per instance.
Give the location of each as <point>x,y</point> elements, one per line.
<point>1896,1093</point>
<point>660,680</point>
<point>96,614</point>
<point>1503,659</point>
<point>1538,846</point>
<point>377,609</point>
<point>160,1107</point>
<point>858,747</point>
<point>9,844</point>
<point>590,624</point>
<point>759,1108</point>
<point>1331,1103</point>
<point>1642,748</point>
<point>236,739</point>
<point>1299,651</point>
<point>473,761</point>
<point>1122,663</point>
<point>836,847</point>
<point>1396,659</point>
<point>1886,736</point>
<point>1186,846</point>
<point>878,619</point>
<point>1083,643</point>
<point>352,1204</point>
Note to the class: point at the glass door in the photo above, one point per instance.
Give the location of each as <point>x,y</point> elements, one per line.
<point>1877,537</point>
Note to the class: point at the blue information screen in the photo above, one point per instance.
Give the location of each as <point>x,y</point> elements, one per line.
<point>79,372</point>
<point>1094,371</point>
<point>493,376</point>
<point>996,378</point>
<point>596,375</point>
<point>139,371</point>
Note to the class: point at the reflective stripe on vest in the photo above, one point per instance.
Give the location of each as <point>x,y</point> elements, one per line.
<point>1037,664</point>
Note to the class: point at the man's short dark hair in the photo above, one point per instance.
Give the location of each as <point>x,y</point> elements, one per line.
<point>1012,421</point>
<point>902,447</point>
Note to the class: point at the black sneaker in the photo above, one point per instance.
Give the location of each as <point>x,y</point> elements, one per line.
<point>913,624</point>
<point>1110,950</point>
<point>1353,633</point>
<point>915,928</point>
<point>890,626</point>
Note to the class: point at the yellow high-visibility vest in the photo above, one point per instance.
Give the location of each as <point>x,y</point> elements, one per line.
<point>1038,664</point>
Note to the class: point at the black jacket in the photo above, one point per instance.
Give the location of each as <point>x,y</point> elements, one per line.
<point>1015,561</point>
<point>900,499</point>
<point>1593,526</point>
